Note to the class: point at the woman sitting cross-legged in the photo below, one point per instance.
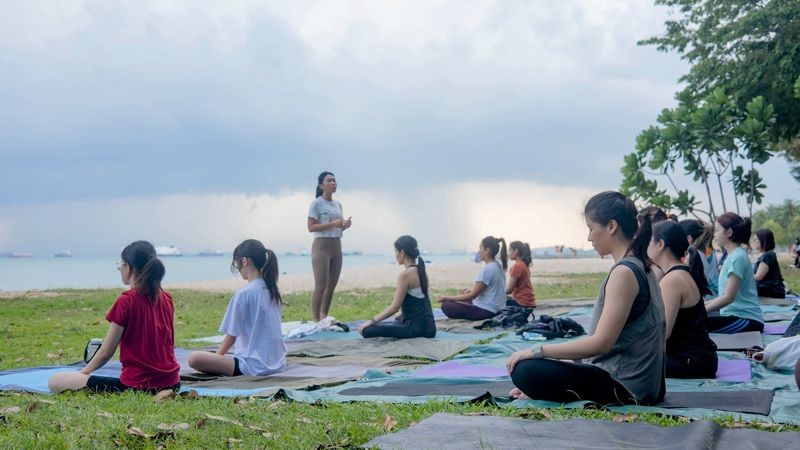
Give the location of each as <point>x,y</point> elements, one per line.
<point>488,294</point>
<point>410,296</point>
<point>622,359</point>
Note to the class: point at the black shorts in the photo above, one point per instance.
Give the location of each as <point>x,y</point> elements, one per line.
<point>97,383</point>
<point>236,371</point>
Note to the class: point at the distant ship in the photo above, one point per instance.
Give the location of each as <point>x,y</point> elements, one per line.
<point>162,250</point>
<point>63,254</point>
<point>21,255</point>
<point>209,252</point>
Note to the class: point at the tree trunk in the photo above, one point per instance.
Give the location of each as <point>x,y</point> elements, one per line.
<point>735,195</point>
<point>719,183</point>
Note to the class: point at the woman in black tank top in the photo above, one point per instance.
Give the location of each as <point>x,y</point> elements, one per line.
<point>411,296</point>
<point>690,351</point>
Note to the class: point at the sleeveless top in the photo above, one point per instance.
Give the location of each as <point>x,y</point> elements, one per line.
<point>637,359</point>
<point>690,331</point>
<point>417,310</point>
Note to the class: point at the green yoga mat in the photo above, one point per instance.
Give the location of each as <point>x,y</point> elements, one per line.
<point>421,348</point>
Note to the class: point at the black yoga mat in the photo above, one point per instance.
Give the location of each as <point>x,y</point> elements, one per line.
<point>450,431</point>
<point>751,401</point>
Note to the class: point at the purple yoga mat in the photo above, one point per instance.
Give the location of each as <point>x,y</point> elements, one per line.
<point>455,369</point>
<point>736,370</point>
<point>775,328</point>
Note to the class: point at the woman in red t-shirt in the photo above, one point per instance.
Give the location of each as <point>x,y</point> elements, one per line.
<point>140,323</point>
<point>519,277</point>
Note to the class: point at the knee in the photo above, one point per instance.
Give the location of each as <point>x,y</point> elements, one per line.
<point>55,384</point>
<point>196,360</point>
<point>524,372</point>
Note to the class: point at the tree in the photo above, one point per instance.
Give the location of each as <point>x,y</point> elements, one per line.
<point>782,219</point>
<point>715,142</point>
<point>749,48</point>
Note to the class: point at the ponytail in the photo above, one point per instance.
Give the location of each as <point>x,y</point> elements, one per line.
<point>503,254</point>
<point>496,245</point>
<point>523,251</point>
<point>264,260</point>
<point>408,245</point>
<point>697,271</point>
<point>147,269</point>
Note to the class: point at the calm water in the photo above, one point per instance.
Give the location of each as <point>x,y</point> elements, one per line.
<point>17,274</point>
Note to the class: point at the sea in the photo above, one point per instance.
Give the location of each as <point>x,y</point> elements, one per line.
<point>21,274</point>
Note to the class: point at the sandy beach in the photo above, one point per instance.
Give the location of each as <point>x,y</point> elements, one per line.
<point>370,277</point>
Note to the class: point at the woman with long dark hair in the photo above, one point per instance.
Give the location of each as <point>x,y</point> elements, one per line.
<point>488,294</point>
<point>738,301</point>
<point>252,322</point>
<point>326,222</point>
<point>410,296</point>
<point>690,351</point>
<point>769,281</point>
<point>623,355</point>
<point>140,323</point>
<point>699,235</point>
<point>519,286</point>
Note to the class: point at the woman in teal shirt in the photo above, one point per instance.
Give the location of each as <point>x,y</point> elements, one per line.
<point>738,300</point>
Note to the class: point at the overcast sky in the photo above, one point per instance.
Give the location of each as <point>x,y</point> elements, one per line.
<point>201,123</point>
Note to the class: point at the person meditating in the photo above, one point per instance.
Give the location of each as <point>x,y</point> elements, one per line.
<point>623,355</point>
<point>488,294</point>
<point>410,297</point>
<point>690,351</point>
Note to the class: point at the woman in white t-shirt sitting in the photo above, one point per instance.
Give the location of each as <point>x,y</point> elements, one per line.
<point>488,294</point>
<point>252,322</point>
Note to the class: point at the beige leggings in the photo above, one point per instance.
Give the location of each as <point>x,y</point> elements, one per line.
<point>326,261</point>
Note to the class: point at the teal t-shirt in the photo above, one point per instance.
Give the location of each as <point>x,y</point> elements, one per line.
<point>746,304</point>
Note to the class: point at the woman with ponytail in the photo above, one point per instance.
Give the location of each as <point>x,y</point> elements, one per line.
<point>622,358</point>
<point>519,276</point>
<point>699,235</point>
<point>141,324</point>
<point>488,294</point>
<point>252,322</point>
<point>738,301</point>
<point>690,352</point>
<point>326,221</point>
<point>410,297</point>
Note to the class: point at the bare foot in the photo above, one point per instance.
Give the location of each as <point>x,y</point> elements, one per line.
<point>517,394</point>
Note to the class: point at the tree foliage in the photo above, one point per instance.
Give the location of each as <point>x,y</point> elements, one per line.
<point>749,48</point>
<point>782,219</point>
<point>715,142</point>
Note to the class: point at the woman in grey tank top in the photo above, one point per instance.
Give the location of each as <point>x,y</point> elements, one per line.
<point>622,359</point>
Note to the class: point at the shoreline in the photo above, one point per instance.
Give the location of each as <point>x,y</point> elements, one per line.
<point>451,275</point>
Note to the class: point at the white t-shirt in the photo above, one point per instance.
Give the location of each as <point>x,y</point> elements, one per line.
<point>255,320</point>
<point>325,211</point>
<point>493,296</point>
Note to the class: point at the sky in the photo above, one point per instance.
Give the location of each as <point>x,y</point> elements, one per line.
<point>202,123</point>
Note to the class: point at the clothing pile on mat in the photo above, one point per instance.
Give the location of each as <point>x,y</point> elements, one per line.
<point>553,327</point>
<point>508,317</point>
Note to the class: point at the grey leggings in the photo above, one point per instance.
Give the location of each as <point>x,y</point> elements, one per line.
<point>326,261</point>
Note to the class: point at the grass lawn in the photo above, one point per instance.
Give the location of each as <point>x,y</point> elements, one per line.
<point>53,327</point>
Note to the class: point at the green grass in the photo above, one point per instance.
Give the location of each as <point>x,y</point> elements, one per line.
<point>54,328</point>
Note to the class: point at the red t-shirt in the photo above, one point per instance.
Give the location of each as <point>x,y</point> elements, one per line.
<point>147,347</point>
<point>522,291</point>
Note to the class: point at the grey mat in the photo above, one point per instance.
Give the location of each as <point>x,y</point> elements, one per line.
<point>752,401</point>
<point>474,390</point>
<point>737,341</point>
<point>450,431</point>
<point>437,350</point>
<point>777,301</point>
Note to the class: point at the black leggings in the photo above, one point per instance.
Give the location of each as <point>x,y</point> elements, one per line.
<point>97,383</point>
<point>732,324</point>
<point>700,366</point>
<point>564,382</point>
<point>467,311</point>
<point>402,330</point>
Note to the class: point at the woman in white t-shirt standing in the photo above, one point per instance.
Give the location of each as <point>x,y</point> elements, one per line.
<point>326,222</point>
<point>252,322</point>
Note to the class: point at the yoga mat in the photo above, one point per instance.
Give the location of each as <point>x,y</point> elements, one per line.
<point>776,328</point>
<point>779,317</point>
<point>385,347</point>
<point>374,362</point>
<point>753,401</point>
<point>472,390</point>
<point>455,369</point>
<point>735,370</point>
<point>777,301</point>
<point>453,432</point>
<point>737,341</point>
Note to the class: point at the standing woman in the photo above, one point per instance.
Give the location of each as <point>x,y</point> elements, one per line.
<point>690,351</point>
<point>623,355</point>
<point>738,301</point>
<point>769,281</point>
<point>326,222</point>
